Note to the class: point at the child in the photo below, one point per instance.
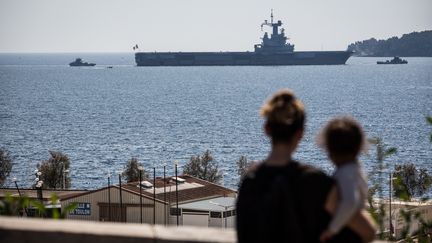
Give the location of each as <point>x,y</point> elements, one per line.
<point>343,139</point>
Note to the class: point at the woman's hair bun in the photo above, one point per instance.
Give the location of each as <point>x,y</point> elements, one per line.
<point>283,108</point>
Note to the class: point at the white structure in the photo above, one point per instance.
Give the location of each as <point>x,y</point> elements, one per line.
<point>423,209</point>
<point>200,203</point>
<point>216,212</point>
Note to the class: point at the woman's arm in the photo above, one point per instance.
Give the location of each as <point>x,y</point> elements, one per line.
<point>361,222</point>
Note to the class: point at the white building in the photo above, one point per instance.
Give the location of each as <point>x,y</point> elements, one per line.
<point>199,203</point>
<point>215,212</point>
<point>423,209</point>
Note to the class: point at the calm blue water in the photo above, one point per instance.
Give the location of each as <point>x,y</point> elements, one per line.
<point>102,117</point>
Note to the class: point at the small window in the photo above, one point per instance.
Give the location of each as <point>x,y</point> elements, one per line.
<point>174,211</point>
<point>215,215</point>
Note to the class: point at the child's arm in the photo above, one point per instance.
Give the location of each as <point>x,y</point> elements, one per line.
<point>350,198</point>
<point>361,223</point>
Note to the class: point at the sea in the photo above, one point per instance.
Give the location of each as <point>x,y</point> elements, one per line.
<point>101,117</point>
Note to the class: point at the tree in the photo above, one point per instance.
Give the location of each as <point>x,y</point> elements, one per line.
<point>203,167</point>
<point>408,45</point>
<point>382,153</point>
<point>131,170</point>
<point>410,182</point>
<point>5,165</point>
<point>54,171</point>
<point>243,166</point>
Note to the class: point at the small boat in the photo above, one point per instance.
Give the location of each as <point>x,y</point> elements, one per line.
<point>110,67</point>
<point>79,63</point>
<point>395,60</point>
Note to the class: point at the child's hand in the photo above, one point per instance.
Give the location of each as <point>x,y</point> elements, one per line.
<point>326,236</point>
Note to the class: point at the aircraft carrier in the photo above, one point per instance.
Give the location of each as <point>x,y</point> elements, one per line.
<point>273,50</point>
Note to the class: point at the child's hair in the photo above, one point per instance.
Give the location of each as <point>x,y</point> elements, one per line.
<point>284,114</point>
<point>342,136</point>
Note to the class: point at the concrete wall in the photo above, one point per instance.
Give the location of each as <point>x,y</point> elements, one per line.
<point>425,210</point>
<point>70,231</point>
<point>30,230</point>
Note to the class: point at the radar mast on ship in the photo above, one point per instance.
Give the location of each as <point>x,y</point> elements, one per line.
<point>277,41</point>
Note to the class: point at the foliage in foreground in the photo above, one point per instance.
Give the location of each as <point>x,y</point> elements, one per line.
<point>382,153</point>
<point>204,167</point>
<point>410,182</point>
<point>18,206</point>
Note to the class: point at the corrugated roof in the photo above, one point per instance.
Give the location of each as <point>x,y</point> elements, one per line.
<point>193,189</point>
<point>197,189</point>
<point>46,193</point>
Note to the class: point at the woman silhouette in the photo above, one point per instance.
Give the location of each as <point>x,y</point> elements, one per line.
<point>283,200</point>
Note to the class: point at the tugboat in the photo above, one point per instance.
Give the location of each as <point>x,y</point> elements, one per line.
<point>395,60</point>
<point>79,63</point>
<point>273,50</point>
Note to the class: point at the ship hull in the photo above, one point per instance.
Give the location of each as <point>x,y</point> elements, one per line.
<point>82,65</point>
<point>241,58</point>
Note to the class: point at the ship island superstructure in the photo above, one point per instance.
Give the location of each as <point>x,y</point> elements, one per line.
<point>273,50</point>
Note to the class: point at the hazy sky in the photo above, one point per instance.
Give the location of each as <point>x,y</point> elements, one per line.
<point>200,25</point>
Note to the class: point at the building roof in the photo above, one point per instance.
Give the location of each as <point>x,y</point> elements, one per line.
<point>219,204</point>
<point>192,189</point>
<point>46,193</point>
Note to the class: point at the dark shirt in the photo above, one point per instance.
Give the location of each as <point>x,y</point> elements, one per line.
<point>285,204</point>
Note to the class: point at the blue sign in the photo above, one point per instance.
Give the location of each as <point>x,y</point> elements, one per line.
<point>82,209</point>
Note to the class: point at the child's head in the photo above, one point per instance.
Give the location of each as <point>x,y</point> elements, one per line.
<point>343,139</point>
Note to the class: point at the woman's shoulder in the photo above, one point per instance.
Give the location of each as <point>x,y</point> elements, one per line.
<point>295,169</point>
<point>311,172</point>
<point>312,178</point>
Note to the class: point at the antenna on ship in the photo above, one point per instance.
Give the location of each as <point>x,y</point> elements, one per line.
<point>271,16</point>
<point>266,22</point>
